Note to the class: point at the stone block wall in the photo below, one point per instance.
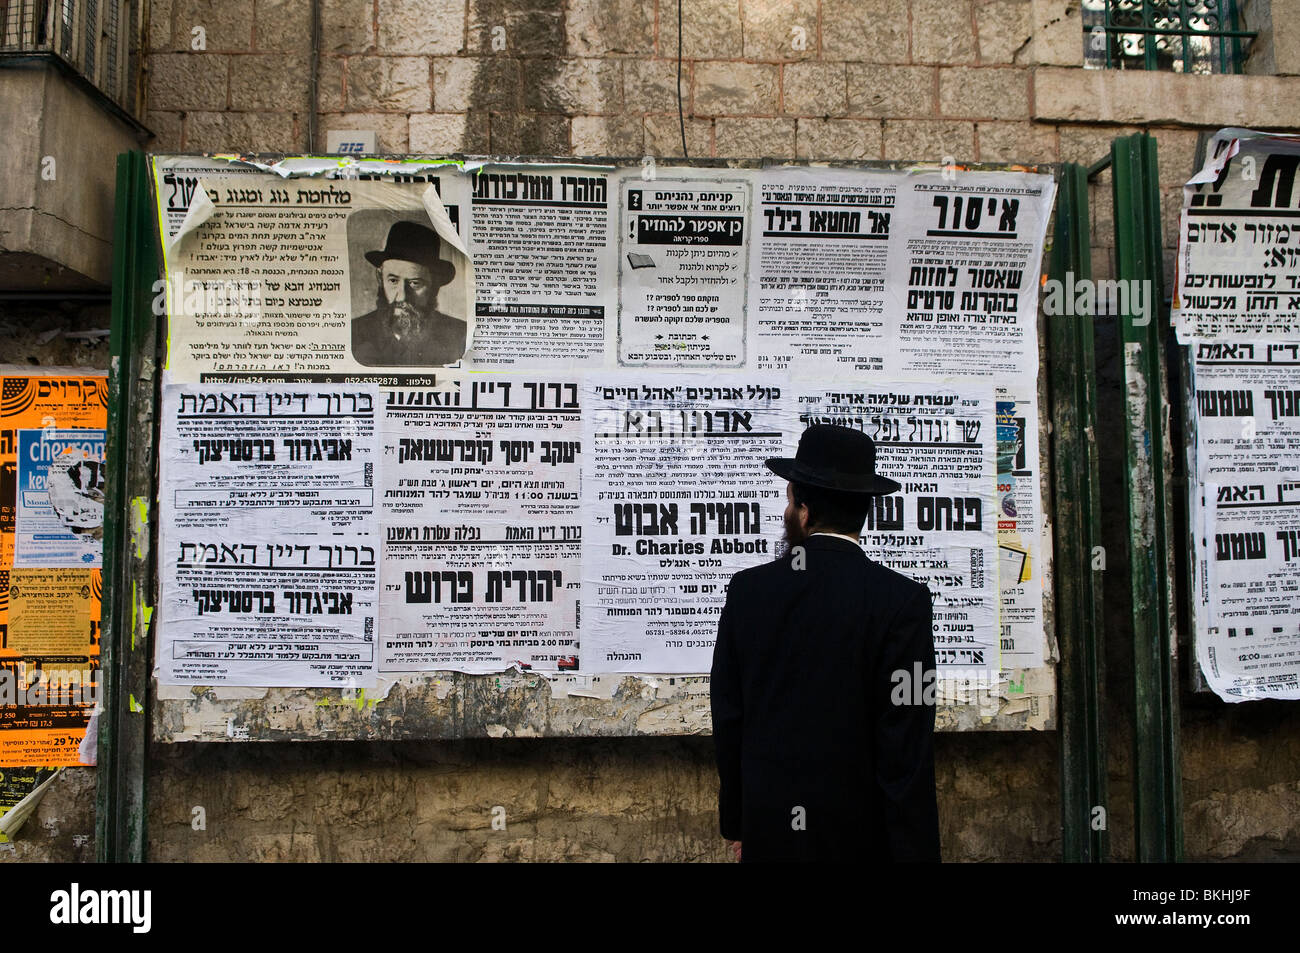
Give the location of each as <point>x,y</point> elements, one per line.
<point>974,80</point>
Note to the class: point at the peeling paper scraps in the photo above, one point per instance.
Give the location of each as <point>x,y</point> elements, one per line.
<point>179,693</point>
<point>17,815</point>
<point>465,266</point>
<point>291,166</point>
<point>501,165</point>
<point>139,525</point>
<point>979,688</point>
<point>383,685</point>
<point>199,211</point>
<point>571,685</point>
<point>88,750</point>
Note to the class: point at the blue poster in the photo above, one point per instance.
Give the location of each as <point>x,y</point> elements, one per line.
<point>59,521</point>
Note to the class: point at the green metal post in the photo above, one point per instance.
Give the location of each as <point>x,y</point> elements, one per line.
<point>120,805</point>
<point>1077,536</point>
<point>1157,801</point>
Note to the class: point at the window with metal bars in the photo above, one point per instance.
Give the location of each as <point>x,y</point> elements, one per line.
<point>87,35</point>
<point>1180,36</point>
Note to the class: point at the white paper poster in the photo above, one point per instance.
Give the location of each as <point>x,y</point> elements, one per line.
<point>1236,302</point>
<point>925,275</point>
<point>1247,407</point>
<point>676,500</point>
<point>683,255</point>
<point>506,446</point>
<point>481,596</point>
<point>316,279</point>
<point>821,263</point>
<point>482,547</point>
<point>542,245</point>
<point>1249,639</point>
<point>1238,265</point>
<point>964,286</point>
<point>268,561</point>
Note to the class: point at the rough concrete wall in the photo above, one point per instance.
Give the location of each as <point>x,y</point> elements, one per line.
<point>987,80</point>
<point>56,197</point>
<point>596,800</point>
<point>63,828</point>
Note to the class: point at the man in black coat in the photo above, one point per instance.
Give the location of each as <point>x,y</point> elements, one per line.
<point>817,761</point>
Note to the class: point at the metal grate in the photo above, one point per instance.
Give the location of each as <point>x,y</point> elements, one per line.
<point>91,37</point>
<point>111,35</point>
<point>1180,36</point>
<point>65,29</point>
<point>87,35</point>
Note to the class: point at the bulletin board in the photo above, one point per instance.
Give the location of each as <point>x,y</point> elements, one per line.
<point>469,447</point>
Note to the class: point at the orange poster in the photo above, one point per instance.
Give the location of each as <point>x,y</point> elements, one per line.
<point>49,615</point>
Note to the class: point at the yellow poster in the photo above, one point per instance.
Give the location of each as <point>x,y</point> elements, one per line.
<point>50,611</point>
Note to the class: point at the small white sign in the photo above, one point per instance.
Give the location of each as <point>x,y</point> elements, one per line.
<point>351,142</point>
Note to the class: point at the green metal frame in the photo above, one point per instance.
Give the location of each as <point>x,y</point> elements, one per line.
<point>1149,464</point>
<point>125,647</point>
<point>1076,536</point>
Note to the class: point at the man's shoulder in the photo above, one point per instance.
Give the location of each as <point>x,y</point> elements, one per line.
<point>888,584</point>
<point>366,318</point>
<point>764,574</point>
<point>900,588</point>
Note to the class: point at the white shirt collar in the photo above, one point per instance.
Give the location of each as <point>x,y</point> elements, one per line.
<point>851,539</point>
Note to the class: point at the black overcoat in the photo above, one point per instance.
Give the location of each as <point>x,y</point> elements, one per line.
<point>805,725</point>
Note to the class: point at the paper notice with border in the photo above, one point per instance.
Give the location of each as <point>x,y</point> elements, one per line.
<point>683,258</point>
<point>482,547</point>
<point>821,264</point>
<point>250,454</point>
<point>504,446</point>
<point>316,279</point>
<point>542,245</point>
<point>676,500</point>
<point>1247,407</point>
<point>268,563</point>
<point>480,596</point>
<point>963,288</point>
<point>1249,600</point>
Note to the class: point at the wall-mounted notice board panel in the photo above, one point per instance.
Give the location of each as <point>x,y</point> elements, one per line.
<point>471,447</point>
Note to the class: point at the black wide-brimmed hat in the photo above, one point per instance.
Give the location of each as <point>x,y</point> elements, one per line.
<point>834,458</point>
<point>411,241</point>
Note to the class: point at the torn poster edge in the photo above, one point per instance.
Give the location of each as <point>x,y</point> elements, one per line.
<point>17,815</point>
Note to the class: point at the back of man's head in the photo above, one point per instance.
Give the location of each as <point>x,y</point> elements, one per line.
<point>832,511</point>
